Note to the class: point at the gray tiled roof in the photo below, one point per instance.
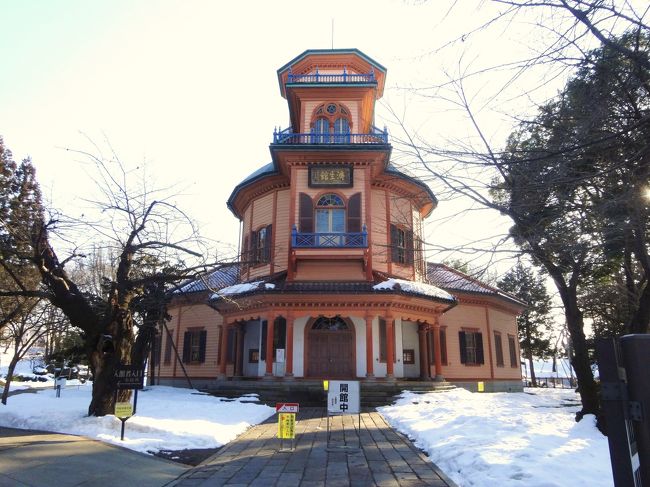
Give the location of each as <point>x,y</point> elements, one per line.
<point>452,280</point>
<point>226,276</point>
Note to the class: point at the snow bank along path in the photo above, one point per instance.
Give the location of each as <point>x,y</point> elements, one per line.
<point>167,418</point>
<point>506,439</point>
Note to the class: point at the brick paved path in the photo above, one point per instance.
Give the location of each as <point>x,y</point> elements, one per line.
<point>386,458</point>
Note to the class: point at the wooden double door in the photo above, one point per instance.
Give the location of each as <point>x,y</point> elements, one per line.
<point>330,349</point>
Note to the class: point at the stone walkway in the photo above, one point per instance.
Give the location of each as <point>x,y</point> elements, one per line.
<point>386,457</point>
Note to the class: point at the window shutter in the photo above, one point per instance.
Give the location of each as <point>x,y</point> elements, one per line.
<point>230,345</point>
<point>306,214</point>
<point>354,213</point>
<point>263,345</point>
<point>394,239</point>
<point>267,244</point>
<point>479,348</point>
<point>463,347</point>
<point>187,343</point>
<point>252,254</point>
<point>408,235</point>
<point>244,254</point>
<point>443,345</point>
<point>168,346</point>
<point>157,349</point>
<point>203,339</point>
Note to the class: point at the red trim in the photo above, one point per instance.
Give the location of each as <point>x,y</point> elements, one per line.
<point>273,232</point>
<point>369,351</point>
<point>178,328</point>
<point>489,340</point>
<point>289,358</point>
<point>390,346</point>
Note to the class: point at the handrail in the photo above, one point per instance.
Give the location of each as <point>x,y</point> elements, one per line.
<point>287,137</point>
<point>329,239</point>
<point>343,77</point>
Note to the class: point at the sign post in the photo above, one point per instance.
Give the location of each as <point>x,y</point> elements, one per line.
<point>344,398</point>
<point>127,377</point>
<point>287,423</point>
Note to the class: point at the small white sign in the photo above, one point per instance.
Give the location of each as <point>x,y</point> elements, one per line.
<point>287,407</point>
<point>343,397</point>
<point>60,381</point>
<point>279,355</point>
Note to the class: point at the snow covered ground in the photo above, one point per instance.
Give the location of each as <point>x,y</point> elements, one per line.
<point>506,439</point>
<point>480,440</point>
<point>166,418</point>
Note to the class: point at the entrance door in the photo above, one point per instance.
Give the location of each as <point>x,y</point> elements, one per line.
<point>330,349</point>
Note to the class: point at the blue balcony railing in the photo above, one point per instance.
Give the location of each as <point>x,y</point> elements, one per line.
<point>286,136</point>
<point>343,77</point>
<point>329,240</point>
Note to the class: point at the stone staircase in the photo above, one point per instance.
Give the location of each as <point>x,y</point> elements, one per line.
<point>310,393</point>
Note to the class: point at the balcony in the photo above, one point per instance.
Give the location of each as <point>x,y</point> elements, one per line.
<point>329,240</point>
<point>343,77</point>
<point>287,136</point>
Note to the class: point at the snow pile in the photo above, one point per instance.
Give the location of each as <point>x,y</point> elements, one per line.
<point>507,439</point>
<point>242,288</point>
<point>167,418</point>
<point>413,287</point>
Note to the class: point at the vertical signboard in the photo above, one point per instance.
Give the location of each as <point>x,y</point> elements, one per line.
<point>343,397</point>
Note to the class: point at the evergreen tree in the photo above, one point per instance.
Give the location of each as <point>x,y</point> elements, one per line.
<point>534,323</point>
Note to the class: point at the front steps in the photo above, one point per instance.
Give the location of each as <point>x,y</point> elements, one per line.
<point>310,393</point>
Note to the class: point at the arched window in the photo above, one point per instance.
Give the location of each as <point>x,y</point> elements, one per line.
<point>330,324</point>
<point>330,214</point>
<point>341,131</point>
<point>320,127</point>
<point>331,118</point>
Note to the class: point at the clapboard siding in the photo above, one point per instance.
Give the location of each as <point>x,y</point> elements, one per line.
<point>282,231</point>
<point>379,236</point>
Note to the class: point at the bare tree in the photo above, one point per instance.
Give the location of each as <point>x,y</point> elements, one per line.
<point>155,244</point>
<point>37,319</point>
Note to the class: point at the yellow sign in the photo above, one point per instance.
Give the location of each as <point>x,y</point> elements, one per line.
<point>326,385</point>
<point>286,426</point>
<point>481,387</point>
<point>123,409</point>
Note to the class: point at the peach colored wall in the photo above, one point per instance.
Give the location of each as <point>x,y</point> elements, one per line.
<point>379,237</point>
<point>467,316</point>
<point>302,186</point>
<point>193,316</point>
<point>261,216</point>
<point>282,231</point>
<point>401,213</point>
<point>329,270</point>
<point>505,323</point>
<point>310,105</point>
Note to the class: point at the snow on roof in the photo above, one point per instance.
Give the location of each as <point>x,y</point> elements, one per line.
<point>226,276</point>
<point>242,288</point>
<point>414,287</point>
<point>448,278</point>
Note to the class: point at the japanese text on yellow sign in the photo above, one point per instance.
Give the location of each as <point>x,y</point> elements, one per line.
<point>286,426</point>
<point>123,409</point>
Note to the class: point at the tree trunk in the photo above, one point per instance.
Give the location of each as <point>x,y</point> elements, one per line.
<point>580,360</point>
<point>112,349</point>
<point>10,373</point>
<point>533,379</point>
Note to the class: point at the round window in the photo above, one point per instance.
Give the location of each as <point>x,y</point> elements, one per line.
<point>331,108</point>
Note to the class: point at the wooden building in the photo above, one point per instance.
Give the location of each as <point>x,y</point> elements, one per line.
<point>332,281</point>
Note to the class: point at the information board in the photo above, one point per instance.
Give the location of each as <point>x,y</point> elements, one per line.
<point>286,426</point>
<point>129,377</point>
<point>123,410</point>
<point>343,397</point>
